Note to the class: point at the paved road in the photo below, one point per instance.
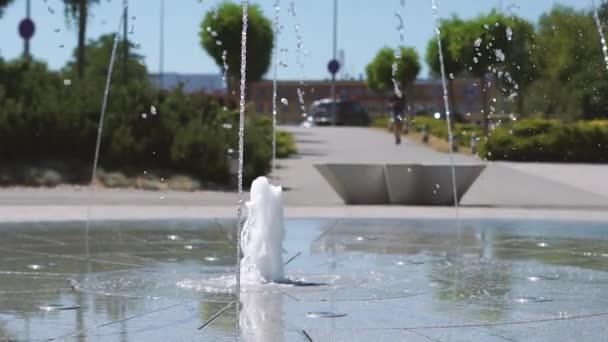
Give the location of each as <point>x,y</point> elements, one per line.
<point>319,145</point>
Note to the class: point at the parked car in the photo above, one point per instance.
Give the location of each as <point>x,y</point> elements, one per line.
<point>347,113</point>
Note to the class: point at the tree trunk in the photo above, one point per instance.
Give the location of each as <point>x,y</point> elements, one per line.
<point>520,105</point>
<point>484,100</point>
<point>82,32</point>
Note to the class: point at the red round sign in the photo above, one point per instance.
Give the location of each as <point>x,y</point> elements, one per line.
<point>27,28</point>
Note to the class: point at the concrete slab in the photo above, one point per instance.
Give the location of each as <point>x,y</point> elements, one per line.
<point>503,186</point>
<point>357,183</point>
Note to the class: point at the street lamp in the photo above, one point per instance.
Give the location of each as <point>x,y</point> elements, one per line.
<point>334,65</point>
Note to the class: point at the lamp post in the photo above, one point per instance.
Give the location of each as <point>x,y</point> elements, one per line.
<point>125,52</point>
<point>336,65</point>
<point>161,65</point>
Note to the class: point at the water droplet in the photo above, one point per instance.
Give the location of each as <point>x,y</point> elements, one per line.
<point>67,82</point>
<point>227,126</point>
<point>61,46</point>
<point>57,30</point>
<point>174,237</point>
<point>153,110</point>
<point>324,314</point>
<point>36,267</point>
<point>542,244</point>
<point>527,300</point>
<point>144,115</point>
<point>51,10</point>
<point>218,42</point>
<point>284,101</point>
<point>477,42</point>
<point>509,33</point>
<point>59,307</point>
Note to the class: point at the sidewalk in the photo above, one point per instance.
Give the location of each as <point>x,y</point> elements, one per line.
<point>502,184</point>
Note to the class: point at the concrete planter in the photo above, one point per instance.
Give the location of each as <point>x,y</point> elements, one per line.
<point>404,184</point>
<point>356,183</point>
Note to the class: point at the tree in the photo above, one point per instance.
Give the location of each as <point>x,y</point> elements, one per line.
<point>3,5</point>
<point>79,9</point>
<point>497,46</point>
<point>380,71</point>
<point>574,81</point>
<point>221,31</point>
<point>452,59</point>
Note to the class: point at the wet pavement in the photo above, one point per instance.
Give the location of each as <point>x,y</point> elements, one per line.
<point>381,280</point>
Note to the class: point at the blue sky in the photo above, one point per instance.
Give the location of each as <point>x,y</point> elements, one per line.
<point>364,27</point>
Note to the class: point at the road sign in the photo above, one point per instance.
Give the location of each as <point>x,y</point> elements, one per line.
<point>333,66</point>
<point>27,28</point>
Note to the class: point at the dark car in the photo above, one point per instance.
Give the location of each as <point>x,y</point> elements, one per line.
<point>347,113</point>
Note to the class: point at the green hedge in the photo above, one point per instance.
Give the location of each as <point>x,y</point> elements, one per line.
<point>549,140</point>
<point>42,120</point>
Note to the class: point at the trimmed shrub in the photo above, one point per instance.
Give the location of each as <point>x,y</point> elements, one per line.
<point>286,144</point>
<point>549,141</point>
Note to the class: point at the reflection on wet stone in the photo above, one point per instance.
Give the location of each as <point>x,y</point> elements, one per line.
<point>490,281</point>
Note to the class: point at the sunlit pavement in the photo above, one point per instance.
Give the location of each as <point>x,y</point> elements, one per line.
<point>503,184</point>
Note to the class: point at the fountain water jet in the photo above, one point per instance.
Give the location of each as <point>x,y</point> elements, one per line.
<point>446,103</point>
<point>242,107</point>
<point>262,235</point>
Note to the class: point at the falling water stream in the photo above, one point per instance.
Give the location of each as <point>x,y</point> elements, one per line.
<point>600,29</point>
<point>300,63</point>
<point>245,4</point>
<point>400,29</point>
<point>276,28</point>
<point>446,104</point>
<point>104,105</point>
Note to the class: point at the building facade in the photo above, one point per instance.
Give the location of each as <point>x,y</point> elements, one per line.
<point>427,97</point>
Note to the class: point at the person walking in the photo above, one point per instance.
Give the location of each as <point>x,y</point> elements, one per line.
<point>397,117</point>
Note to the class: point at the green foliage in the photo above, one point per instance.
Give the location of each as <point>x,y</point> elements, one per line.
<point>574,82</point>
<point>452,53</point>
<point>489,44</point>
<point>549,140</point>
<point>41,118</point>
<point>286,144</point>
<point>225,25</point>
<point>380,73</point>
<point>79,9</point>
<point>4,4</point>
<point>438,127</point>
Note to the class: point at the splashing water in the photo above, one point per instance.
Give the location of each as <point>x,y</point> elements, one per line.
<point>225,64</point>
<point>262,235</point>
<point>598,23</point>
<point>400,29</point>
<point>245,4</point>
<point>277,29</point>
<point>446,103</point>
<point>104,105</point>
<point>299,62</point>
